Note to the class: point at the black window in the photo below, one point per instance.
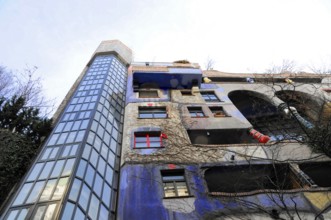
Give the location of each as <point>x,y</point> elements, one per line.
<point>209,97</point>
<point>186,93</point>
<point>174,183</point>
<point>148,94</point>
<point>196,112</point>
<point>152,112</point>
<point>218,111</point>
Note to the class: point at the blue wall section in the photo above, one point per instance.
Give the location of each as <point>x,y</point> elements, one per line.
<point>141,196</point>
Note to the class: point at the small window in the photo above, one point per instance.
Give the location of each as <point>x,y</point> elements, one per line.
<point>186,92</point>
<point>174,183</point>
<point>196,112</point>
<point>218,111</point>
<point>147,140</point>
<point>152,112</point>
<point>148,94</point>
<point>209,97</point>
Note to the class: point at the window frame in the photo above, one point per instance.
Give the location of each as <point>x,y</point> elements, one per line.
<point>209,94</point>
<point>194,112</point>
<point>148,136</point>
<point>175,181</point>
<point>214,111</point>
<point>153,111</point>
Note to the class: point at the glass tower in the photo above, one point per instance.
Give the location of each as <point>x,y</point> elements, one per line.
<point>76,174</point>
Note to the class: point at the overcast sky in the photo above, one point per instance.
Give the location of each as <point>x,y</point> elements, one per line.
<point>240,35</point>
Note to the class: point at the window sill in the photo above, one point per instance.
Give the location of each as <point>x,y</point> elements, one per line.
<point>201,117</point>
<point>154,118</point>
<point>179,197</point>
<point>144,148</point>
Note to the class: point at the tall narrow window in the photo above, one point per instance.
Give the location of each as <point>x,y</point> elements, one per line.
<point>174,183</point>
<point>152,112</point>
<point>218,111</point>
<point>210,97</point>
<point>147,140</point>
<point>196,112</point>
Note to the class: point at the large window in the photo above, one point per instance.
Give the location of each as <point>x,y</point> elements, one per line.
<point>147,140</point>
<point>196,112</point>
<point>209,97</point>
<point>152,112</point>
<point>174,183</point>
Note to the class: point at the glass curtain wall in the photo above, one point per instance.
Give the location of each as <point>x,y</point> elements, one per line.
<point>76,174</point>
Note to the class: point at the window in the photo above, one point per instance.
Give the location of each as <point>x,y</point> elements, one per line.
<point>174,183</point>
<point>152,112</point>
<point>186,93</point>
<point>147,139</point>
<point>209,97</point>
<point>196,112</point>
<point>148,94</point>
<point>218,111</point>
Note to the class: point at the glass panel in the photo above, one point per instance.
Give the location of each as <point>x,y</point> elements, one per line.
<point>81,169</point>
<point>68,167</point>
<point>75,190</point>
<point>86,153</point>
<point>106,194</point>
<point>12,215</point>
<point>141,139</point>
<point>66,151</point>
<point>80,136</point>
<point>109,175</point>
<point>94,207</point>
<point>50,212</point>
<point>74,150</point>
<point>103,213</point>
<point>155,144</point>
<point>89,175</point>
<point>58,168</point>
<point>111,158</point>
<point>23,214</point>
<point>47,169</point>
<point>169,190</point>
<point>35,172</point>
<point>94,158</point>
<point>62,138</point>
<point>46,153</point>
<point>84,196</point>
<point>54,152</point>
<point>153,138</point>
<point>182,189</point>
<point>40,212</point>
<point>67,214</point>
<point>71,137</point>
<point>60,188</point>
<point>98,184</point>
<point>48,190</point>
<point>84,124</point>
<point>23,194</point>
<point>160,115</point>
<point>173,178</point>
<point>68,126</point>
<point>140,145</point>
<point>101,166</point>
<point>53,139</point>
<point>35,191</point>
<point>79,215</point>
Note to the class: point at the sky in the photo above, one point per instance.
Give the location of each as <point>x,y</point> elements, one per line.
<point>60,36</point>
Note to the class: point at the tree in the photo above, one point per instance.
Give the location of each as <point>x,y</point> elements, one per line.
<point>22,129</point>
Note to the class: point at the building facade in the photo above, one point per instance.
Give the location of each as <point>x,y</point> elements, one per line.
<point>170,141</point>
